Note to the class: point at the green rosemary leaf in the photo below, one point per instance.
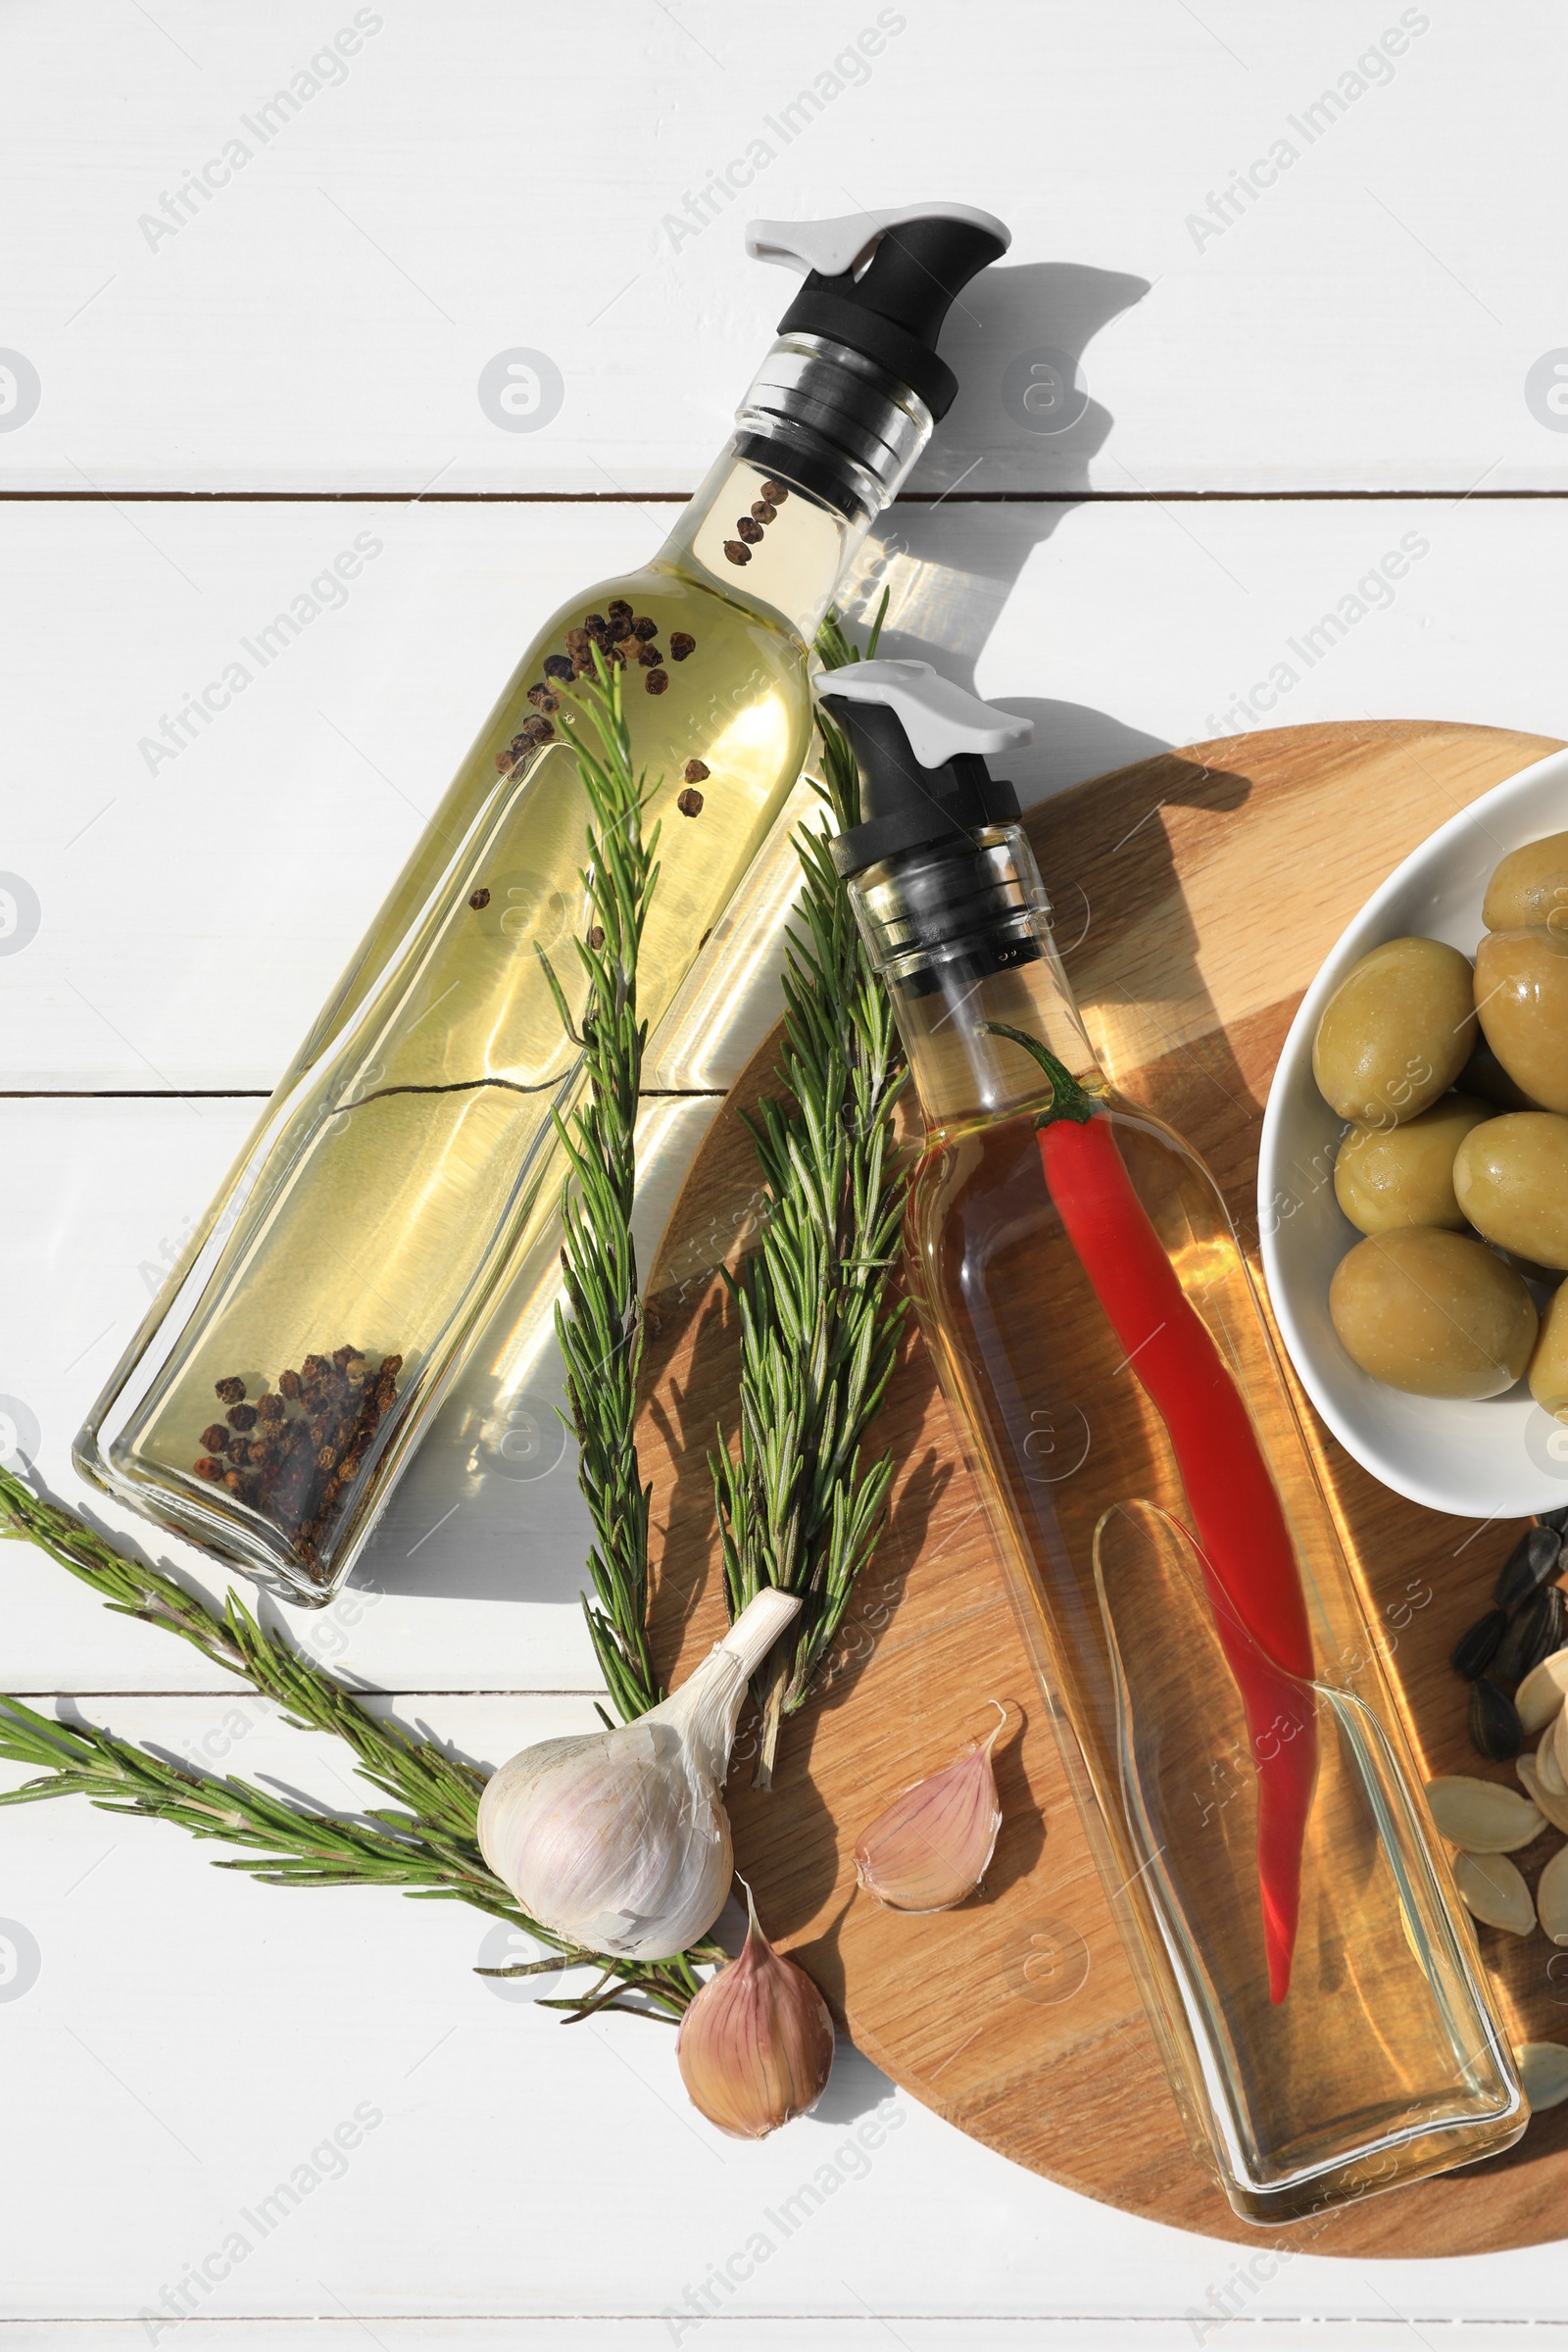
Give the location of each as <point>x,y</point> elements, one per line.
<point>424,1844</point>
<point>820,1326</point>
<point>600,1322</point>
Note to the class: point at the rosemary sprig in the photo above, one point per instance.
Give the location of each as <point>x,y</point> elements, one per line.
<point>426,1844</point>
<point>819,1330</point>
<point>599,1326</point>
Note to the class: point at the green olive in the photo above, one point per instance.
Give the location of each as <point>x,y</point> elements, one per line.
<point>1511,1178</point>
<point>1521,1001</point>
<point>1530,886</point>
<point>1433,1313</point>
<point>1396,1031</point>
<point>1391,1176</point>
<point>1548,1366</point>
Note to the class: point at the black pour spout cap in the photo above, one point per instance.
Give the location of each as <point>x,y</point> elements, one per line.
<point>922,744</point>
<point>892,308</point>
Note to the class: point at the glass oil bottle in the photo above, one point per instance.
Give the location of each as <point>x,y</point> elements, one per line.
<point>406,1162</point>
<point>1234,1746</point>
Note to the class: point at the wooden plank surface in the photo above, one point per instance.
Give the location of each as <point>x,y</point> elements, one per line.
<point>315,311</point>
<point>1016,2016</point>
<point>253,863</point>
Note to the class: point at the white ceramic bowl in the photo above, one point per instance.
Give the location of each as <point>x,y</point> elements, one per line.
<point>1502,1457</point>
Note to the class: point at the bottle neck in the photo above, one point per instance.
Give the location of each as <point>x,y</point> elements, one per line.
<point>786,554</point>
<point>960,933</point>
<point>838,436</point>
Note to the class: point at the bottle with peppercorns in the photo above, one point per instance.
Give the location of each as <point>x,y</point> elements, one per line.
<point>405,1172</point>
<point>1240,1758</point>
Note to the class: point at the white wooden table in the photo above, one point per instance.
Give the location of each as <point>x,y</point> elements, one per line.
<point>217,389</point>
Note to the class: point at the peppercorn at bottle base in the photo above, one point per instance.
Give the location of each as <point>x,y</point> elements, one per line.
<point>293,1454</point>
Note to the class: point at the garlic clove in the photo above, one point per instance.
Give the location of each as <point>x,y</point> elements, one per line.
<point>932,1846</point>
<point>618,1841</point>
<point>756,2046</point>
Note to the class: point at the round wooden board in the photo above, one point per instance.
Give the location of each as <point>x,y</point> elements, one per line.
<point>1196,895</point>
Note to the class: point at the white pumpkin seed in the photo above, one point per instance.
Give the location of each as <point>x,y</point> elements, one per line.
<point>1544,2072</point>
<point>1542,1692</point>
<point>1482,1817</point>
<point>1492,1887</point>
<point>1552,1896</point>
<point>1546,1763</point>
<point>1556,1809</point>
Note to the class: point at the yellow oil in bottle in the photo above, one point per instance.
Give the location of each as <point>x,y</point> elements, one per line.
<point>407,1162</point>
<point>403,1170</point>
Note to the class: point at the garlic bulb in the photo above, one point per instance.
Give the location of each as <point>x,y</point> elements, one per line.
<point>931,1847</point>
<point>756,2046</point>
<point>618,1841</point>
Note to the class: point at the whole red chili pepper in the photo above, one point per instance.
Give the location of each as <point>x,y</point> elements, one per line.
<point>1239,1522</point>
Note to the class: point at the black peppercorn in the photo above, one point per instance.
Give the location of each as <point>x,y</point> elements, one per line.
<point>696,771</point>
<point>763,510</point>
<point>680,645</point>
<point>690,803</point>
<point>736,553</point>
<point>479,900</point>
<point>558,666</point>
<point>644,628</point>
<point>619,628</point>
<point>618,607</point>
<point>650,657</point>
<point>749,530</point>
<point>541,697</point>
<point>656,682</point>
<point>231,1392</point>
<point>242,1416</point>
<point>775,493</point>
<point>596,936</point>
<point>215,1439</point>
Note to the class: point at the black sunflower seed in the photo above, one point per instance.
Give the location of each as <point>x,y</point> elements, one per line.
<point>1475,1650</point>
<point>1495,1728</point>
<point>1533,1631</point>
<point>1533,1559</point>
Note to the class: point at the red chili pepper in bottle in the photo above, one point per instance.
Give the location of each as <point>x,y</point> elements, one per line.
<point>1238,1524</point>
